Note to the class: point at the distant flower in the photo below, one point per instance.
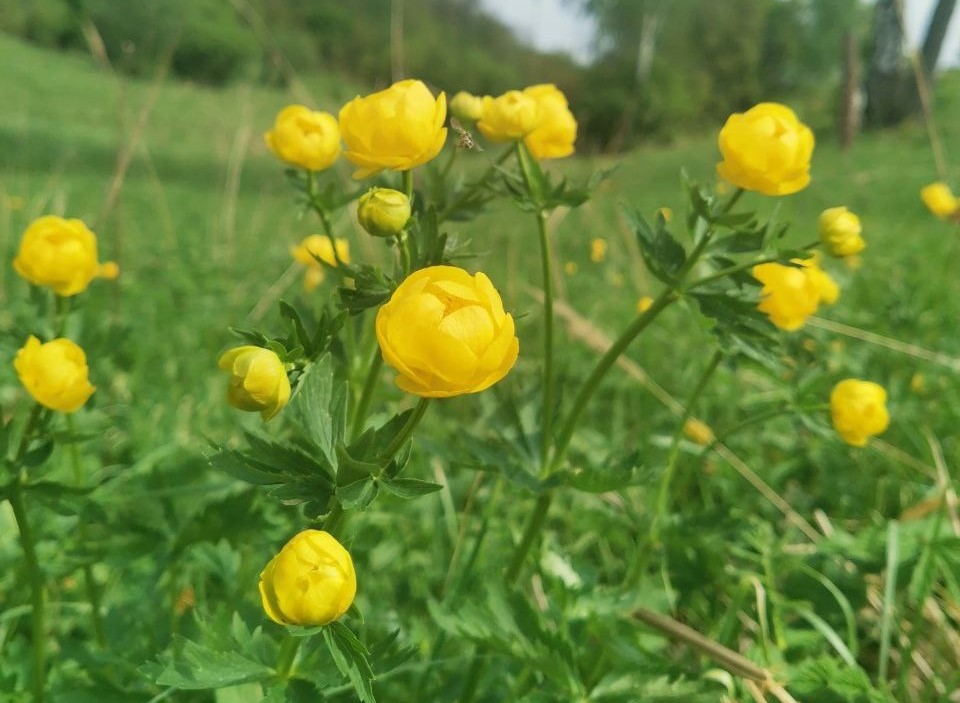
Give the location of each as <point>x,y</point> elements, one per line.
<point>318,246</point>
<point>941,201</point>
<point>509,117</point>
<point>858,410</point>
<point>258,380</point>
<point>55,373</point>
<point>766,149</point>
<point>383,212</point>
<point>598,250</point>
<point>311,581</point>
<point>61,254</point>
<point>466,107</point>
<point>446,333</point>
<point>570,268</point>
<point>840,231</point>
<point>698,432</point>
<point>791,294</point>
<point>556,129</point>
<point>305,138</point>
<point>397,128</point>
<point>644,304</point>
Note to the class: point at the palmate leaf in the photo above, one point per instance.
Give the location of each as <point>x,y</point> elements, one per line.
<point>351,657</point>
<point>663,255</point>
<point>322,402</point>
<point>371,287</point>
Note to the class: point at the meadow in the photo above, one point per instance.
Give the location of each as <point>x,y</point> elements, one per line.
<point>185,196</point>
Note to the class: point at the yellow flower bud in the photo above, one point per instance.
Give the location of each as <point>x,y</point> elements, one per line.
<point>940,200</point>
<point>789,294</point>
<point>318,246</point>
<point>644,304</point>
<point>509,117</point>
<point>840,232</point>
<point>466,107</point>
<point>304,138</point>
<point>697,432</point>
<point>446,333</point>
<point>598,250</point>
<point>858,410</point>
<point>310,582</point>
<point>397,128</point>
<point>55,373</point>
<point>383,212</point>
<point>60,254</point>
<point>258,380</point>
<point>766,149</point>
<point>556,129</point>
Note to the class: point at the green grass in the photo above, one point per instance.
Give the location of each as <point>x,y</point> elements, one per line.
<point>201,228</point>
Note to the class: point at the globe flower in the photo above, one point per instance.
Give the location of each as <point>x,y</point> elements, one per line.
<point>509,117</point>
<point>698,432</point>
<point>766,149</point>
<point>789,295</point>
<point>556,129</point>
<point>940,200</point>
<point>318,246</point>
<point>61,254</point>
<point>840,232</point>
<point>446,334</point>
<point>397,128</point>
<point>383,212</point>
<point>55,373</point>
<point>258,380</point>
<point>598,250</point>
<point>311,581</point>
<point>858,410</point>
<point>827,288</point>
<point>466,107</point>
<point>305,138</point>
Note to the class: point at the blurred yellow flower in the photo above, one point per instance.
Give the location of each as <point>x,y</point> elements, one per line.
<point>940,200</point>
<point>258,380</point>
<point>311,581</point>
<point>318,246</point>
<point>839,231</point>
<point>305,138</point>
<point>918,384</point>
<point>446,333</point>
<point>383,212</point>
<point>61,254</point>
<point>397,128</point>
<point>598,250</point>
<point>466,107</point>
<point>55,373</point>
<point>556,129</point>
<point>644,304</point>
<point>766,149</point>
<point>698,432</point>
<point>509,117</point>
<point>827,288</point>
<point>789,295</point>
<point>666,213</point>
<point>570,268</point>
<point>858,410</point>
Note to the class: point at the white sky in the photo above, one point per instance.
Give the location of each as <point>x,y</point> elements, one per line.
<point>556,25</point>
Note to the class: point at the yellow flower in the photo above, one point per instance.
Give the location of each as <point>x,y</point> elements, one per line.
<point>397,128</point>
<point>466,107</point>
<point>789,294</point>
<point>383,212</point>
<point>940,200</point>
<point>840,232</point>
<point>61,254</point>
<point>258,380</point>
<point>305,138</point>
<point>698,432</point>
<point>310,582</point>
<point>827,288</point>
<point>55,373</point>
<point>446,333</point>
<point>556,129</point>
<point>570,268</point>
<point>858,410</point>
<point>766,149</point>
<point>509,117</point>
<point>666,213</point>
<point>644,304</point>
<point>318,246</point>
<point>598,250</point>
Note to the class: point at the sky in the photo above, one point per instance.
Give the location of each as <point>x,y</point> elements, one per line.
<point>557,25</point>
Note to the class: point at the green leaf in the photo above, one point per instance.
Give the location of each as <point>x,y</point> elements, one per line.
<point>410,487</point>
<point>359,494</point>
<point>322,403</point>
<point>663,254</point>
<point>371,288</point>
<point>350,656</point>
<point>38,454</point>
<point>300,336</point>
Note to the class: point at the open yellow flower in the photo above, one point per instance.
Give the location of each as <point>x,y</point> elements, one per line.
<point>305,138</point>
<point>766,149</point>
<point>556,130</point>
<point>940,200</point>
<point>858,410</point>
<point>509,117</point>
<point>55,373</point>
<point>311,581</point>
<point>318,246</point>
<point>791,294</point>
<point>61,254</point>
<point>839,231</point>
<point>397,128</point>
<point>446,333</point>
<point>258,380</point>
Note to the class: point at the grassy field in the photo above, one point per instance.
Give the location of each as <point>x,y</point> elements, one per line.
<point>183,194</point>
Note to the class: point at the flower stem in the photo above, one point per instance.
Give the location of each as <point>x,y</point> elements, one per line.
<point>548,315</point>
<point>535,523</point>
<point>407,429</point>
<point>37,597</point>
<point>61,311</point>
<point>286,657</point>
<point>407,177</point>
<point>366,395</point>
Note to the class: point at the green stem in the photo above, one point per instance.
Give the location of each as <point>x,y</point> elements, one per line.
<point>287,656</point>
<point>472,679</point>
<point>61,311</point>
<point>406,430</point>
<point>407,179</point>
<point>89,582</point>
<point>36,413</point>
<point>664,492</point>
<point>449,165</point>
<point>600,370</point>
<point>548,315</point>
<point>728,206</point>
<point>366,395</point>
<point>465,193</point>
<point>404,248</point>
<point>535,524</point>
<point>37,598</point>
